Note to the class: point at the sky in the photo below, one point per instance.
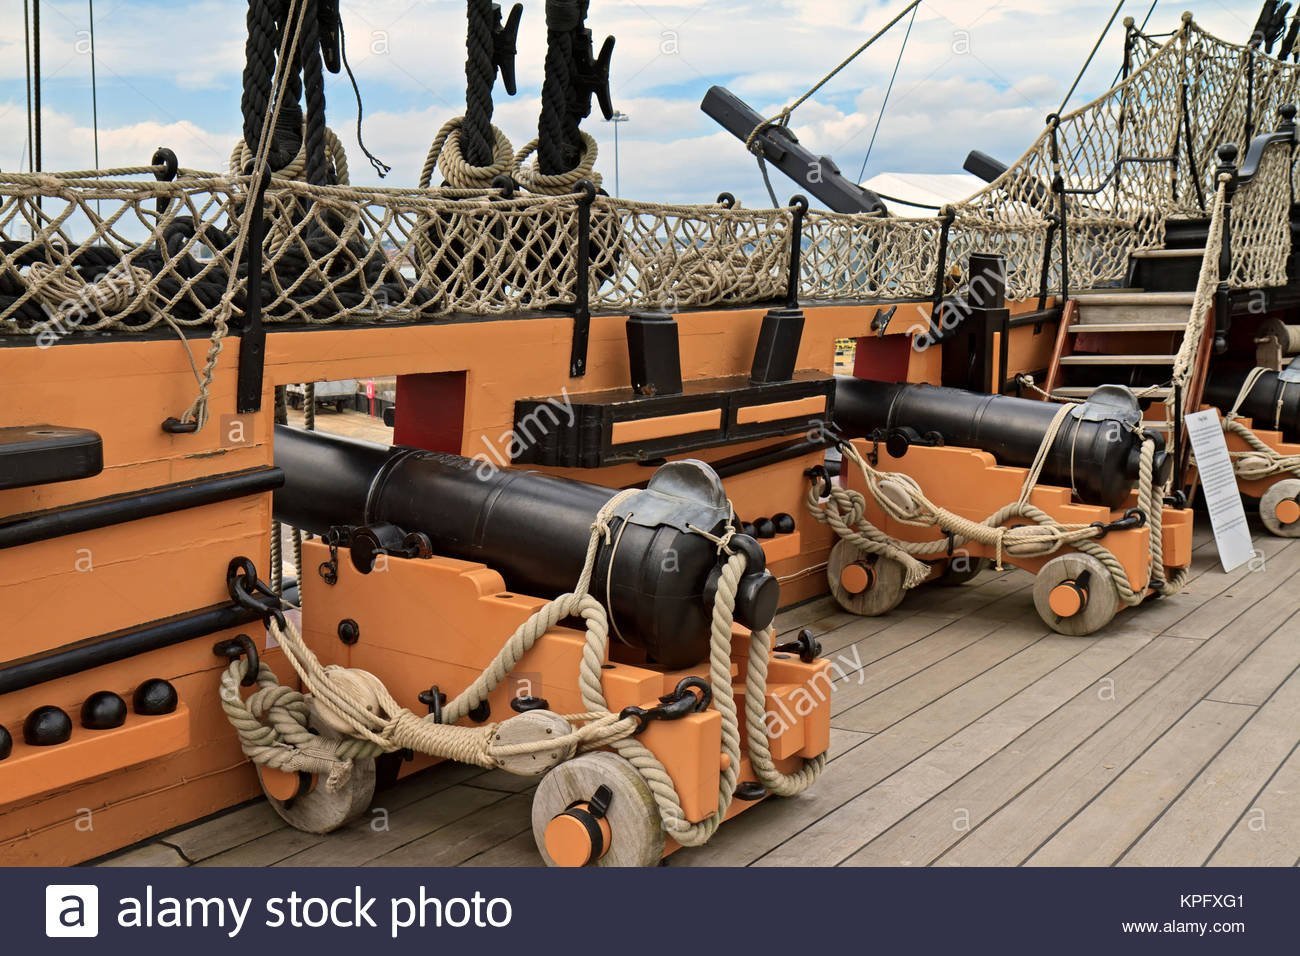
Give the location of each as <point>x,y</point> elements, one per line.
<point>975,74</point>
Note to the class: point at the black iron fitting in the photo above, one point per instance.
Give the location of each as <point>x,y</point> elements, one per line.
<point>505,45</point>
<point>240,646</point>
<point>806,646</point>
<point>817,473</point>
<point>433,699</point>
<point>331,37</point>
<point>682,702</point>
<point>598,805</point>
<point>252,594</point>
<point>591,73</point>
<point>1133,518</point>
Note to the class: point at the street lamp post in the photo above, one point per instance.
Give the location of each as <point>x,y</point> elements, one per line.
<point>618,117</point>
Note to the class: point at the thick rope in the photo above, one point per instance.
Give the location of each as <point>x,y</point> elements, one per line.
<point>532,178</point>
<point>446,155</point>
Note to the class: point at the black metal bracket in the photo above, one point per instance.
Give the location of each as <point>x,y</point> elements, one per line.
<point>252,333</point>
<point>1133,518</point>
<point>171,166</point>
<point>582,283</point>
<point>800,206</point>
<point>682,702</point>
<point>505,45</point>
<point>367,544</point>
<point>331,35</point>
<point>880,321</point>
<point>434,699</point>
<point>591,73</point>
<point>240,646</point>
<point>816,474</point>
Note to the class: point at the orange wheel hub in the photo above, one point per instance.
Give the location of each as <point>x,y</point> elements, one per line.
<point>1288,511</point>
<point>577,837</point>
<point>857,578</point>
<point>1067,599</point>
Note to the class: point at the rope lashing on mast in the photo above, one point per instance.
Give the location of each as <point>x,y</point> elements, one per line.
<point>272,723</point>
<point>469,151</point>
<point>575,74</point>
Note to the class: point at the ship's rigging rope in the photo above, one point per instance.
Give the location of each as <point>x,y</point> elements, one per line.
<point>884,104</point>
<point>782,117</point>
<point>1091,56</point>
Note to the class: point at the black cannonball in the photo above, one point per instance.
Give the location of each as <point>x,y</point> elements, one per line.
<point>47,726</point>
<point>784,523</point>
<point>155,697</point>
<point>6,744</point>
<point>749,529</point>
<point>765,527</point>
<point>103,710</point>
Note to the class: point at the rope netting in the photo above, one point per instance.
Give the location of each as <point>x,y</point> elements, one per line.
<point>120,250</point>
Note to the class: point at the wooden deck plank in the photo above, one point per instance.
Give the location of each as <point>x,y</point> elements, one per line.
<point>1017,830</point>
<point>907,697</point>
<point>1192,828</point>
<point>1268,833</point>
<point>283,841</point>
<point>898,795</point>
<point>153,854</point>
<point>1108,826</point>
<point>370,838</point>
<point>836,835</point>
<point>756,833</point>
<point>467,837</point>
<point>1255,678</point>
<point>928,833</point>
<point>854,687</point>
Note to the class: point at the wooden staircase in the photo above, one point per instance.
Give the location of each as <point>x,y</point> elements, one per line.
<point>1132,336</point>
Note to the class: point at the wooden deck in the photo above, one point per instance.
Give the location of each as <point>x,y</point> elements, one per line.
<point>965,734</point>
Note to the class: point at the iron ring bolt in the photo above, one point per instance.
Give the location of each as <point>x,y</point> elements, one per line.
<point>806,646</point>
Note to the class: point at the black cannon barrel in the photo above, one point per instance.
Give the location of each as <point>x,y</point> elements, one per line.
<point>1096,458</point>
<point>1273,402</point>
<point>654,578</point>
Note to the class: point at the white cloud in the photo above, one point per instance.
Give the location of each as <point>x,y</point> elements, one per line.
<point>409,59</point>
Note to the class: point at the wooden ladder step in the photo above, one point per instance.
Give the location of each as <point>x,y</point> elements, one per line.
<point>1094,359</point>
<point>1141,299</point>
<point>1081,391</point>
<point>1099,327</point>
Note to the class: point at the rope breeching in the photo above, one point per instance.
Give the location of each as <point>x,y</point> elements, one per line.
<point>1261,461</point>
<point>272,723</point>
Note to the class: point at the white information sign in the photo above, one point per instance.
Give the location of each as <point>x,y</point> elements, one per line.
<point>1219,486</point>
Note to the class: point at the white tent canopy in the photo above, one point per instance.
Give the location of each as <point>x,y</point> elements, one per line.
<point>928,189</point>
